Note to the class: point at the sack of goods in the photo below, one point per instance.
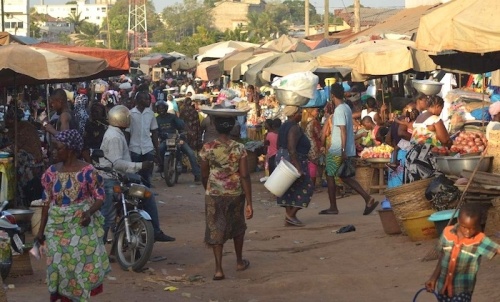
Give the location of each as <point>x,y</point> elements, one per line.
<point>296,89</point>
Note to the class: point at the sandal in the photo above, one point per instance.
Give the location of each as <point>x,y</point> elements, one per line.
<point>246,264</point>
<point>369,209</point>
<point>294,222</point>
<point>218,278</point>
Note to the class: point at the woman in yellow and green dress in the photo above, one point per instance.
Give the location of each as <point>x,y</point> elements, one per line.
<point>77,262</point>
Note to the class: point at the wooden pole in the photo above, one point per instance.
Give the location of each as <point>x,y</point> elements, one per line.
<point>306,17</point>
<point>357,20</point>
<point>326,19</point>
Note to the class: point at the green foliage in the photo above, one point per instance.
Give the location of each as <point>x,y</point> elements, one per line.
<point>190,45</point>
<point>76,20</point>
<point>183,19</point>
<point>296,12</point>
<point>88,35</point>
<point>271,23</point>
<point>35,20</point>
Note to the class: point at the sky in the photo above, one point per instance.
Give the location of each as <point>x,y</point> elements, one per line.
<point>319,4</point>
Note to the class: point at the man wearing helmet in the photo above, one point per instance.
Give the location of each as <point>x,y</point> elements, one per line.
<point>168,124</point>
<point>117,155</point>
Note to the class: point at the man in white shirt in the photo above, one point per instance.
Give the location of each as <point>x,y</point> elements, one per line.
<point>143,131</point>
<point>117,156</point>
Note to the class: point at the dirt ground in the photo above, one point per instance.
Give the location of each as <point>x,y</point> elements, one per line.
<point>312,263</point>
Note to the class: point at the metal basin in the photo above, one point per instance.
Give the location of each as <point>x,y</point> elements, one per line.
<point>427,87</point>
<point>453,166</point>
<point>22,216</point>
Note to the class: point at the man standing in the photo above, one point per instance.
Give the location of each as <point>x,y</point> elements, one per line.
<point>342,147</point>
<point>117,155</point>
<point>143,131</point>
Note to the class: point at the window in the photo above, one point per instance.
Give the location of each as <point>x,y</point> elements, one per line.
<point>98,9</point>
<point>98,18</point>
<point>103,9</point>
<point>73,10</point>
<point>19,24</point>
<point>7,25</point>
<point>86,18</point>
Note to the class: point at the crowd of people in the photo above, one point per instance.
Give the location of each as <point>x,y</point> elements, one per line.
<point>131,125</point>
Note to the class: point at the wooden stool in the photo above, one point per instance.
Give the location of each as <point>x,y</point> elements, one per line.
<point>381,186</point>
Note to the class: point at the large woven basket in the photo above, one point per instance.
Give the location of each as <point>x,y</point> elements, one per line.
<point>408,199</point>
<point>492,228</point>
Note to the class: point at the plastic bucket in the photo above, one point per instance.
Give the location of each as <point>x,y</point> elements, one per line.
<point>35,220</point>
<point>441,219</point>
<point>418,227</point>
<point>389,222</point>
<point>282,178</point>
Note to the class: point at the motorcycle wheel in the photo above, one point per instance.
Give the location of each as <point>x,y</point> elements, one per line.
<point>135,254</point>
<point>170,171</point>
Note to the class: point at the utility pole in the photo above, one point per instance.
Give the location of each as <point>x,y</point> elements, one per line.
<point>3,18</point>
<point>306,16</point>
<point>137,24</point>
<point>357,21</point>
<point>107,24</point>
<point>326,19</point>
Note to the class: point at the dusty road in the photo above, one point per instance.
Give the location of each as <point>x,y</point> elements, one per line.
<point>312,263</point>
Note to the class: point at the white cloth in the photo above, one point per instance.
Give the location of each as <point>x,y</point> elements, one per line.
<point>372,114</point>
<point>190,89</point>
<point>114,146</point>
<point>141,125</point>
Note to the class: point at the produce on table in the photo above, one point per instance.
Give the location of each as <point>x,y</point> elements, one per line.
<point>382,151</point>
<point>469,142</point>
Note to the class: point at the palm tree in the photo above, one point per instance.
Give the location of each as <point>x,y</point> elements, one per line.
<point>76,20</point>
<point>89,33</point>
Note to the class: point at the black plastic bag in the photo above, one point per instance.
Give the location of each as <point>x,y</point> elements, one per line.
<point>442,192</point>
<point>347,169</point>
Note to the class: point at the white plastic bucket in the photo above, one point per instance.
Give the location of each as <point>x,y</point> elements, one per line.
<point>282,178</point>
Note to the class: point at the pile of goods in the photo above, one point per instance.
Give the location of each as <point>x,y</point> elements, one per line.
<point>382,151</point>
<point>469,142</point>
<point>465,143</point>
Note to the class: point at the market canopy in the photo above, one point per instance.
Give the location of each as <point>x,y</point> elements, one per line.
<point>184,63</point>
<point>462,35</point>
<point>208,71</point>
<point>378,57</point>
<point>23,64</point>
<point>229,61</point>
<point>239,69</point>
<point>118,60</point>
<point>157,58</point>
<point>293,67</point>
<point>284,43</point>
<point>7,38</point>
<point>461,25</point>
<point>253,75</point>
<point>235,45</point>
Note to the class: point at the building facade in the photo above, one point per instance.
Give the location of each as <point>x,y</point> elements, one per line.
<point>92,13</point>
<point>16,17</point>
<point>232,13</point>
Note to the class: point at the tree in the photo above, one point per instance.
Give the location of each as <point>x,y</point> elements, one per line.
<point>35,20</point>
<point>273,22</point>
<point>76,20</point>
<point>296,9</point>
<point>239,34</point>
<point>89,33</point>
<point>183,19</point>
<point>190,45</point>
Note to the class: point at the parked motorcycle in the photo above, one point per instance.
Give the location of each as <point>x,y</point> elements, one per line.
<point>133,235</point>
<point>10,239</point>
<point>172,160</point>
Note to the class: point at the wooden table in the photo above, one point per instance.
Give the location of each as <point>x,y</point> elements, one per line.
<point>378,165</point>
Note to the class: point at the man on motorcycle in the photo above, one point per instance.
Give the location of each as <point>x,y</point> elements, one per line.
<point>168,124</point>
<point>117,156</point>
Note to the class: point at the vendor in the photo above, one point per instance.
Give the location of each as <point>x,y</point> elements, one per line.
<point>494,111</point>
<point>428,132</point>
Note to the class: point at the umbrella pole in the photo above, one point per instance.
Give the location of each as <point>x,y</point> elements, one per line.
<point>15,151</point>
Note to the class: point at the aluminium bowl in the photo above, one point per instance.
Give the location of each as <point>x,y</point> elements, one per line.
<point>427,87</point>
<point>450,165</point>
<point>290,98</point>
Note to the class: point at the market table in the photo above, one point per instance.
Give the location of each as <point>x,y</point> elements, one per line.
<point>378,165</point>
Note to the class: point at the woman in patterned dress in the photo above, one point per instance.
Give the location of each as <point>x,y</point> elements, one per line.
<point>193,127</point>
<point>225,176</point>
<point>294,146</point>
<point>312,129</point>
<point>77,261</point>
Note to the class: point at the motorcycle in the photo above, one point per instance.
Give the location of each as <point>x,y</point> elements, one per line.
<point>172,160</point>
<point>133,238</point>
<point>10,239</point>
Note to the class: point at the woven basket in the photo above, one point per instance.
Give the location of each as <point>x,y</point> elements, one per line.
<point>492,228</point>
<point>494,150</point>
<point>408,199</point>
<point>21,265</point>
<point>366,177</point>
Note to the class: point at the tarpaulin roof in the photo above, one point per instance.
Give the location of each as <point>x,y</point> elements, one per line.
<point>6,39</point>
<point>118,60</point>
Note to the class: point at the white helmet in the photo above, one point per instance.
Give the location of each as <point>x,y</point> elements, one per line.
<point>119,116</point>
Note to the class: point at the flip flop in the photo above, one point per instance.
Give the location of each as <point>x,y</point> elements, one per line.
<point>218,278</point>
<point>246,264</point>
<point>294,222</point>
<point>328,212</point>
<point>369,209</point>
